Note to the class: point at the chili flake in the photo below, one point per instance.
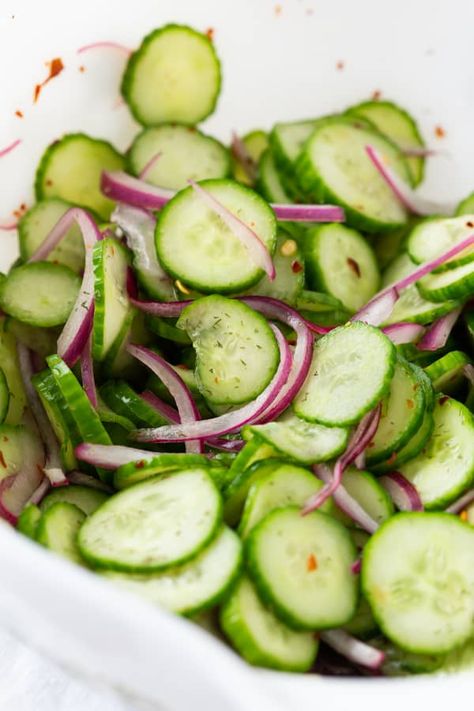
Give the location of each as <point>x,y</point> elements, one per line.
<point>410,404</point>
<point>340,65</point>
<point>354,266</point>
<point>210,33</point>
<point>140,464</point>
<point>311,563</point>
<point>278,9</point>
<point>439,132</point>
<point>55,67</point>
<point>296,267</point>
<point>376,95</point>
<point>19,113</point>
<point>2,460</point>
<point>463,516</point>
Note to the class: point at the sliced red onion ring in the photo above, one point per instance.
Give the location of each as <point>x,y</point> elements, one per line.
<point>346,502</point>
<point>171,309</point>
<point>353,649</point>
<point>9,226</point>
<point>87,373</point>
<point>169,412</point>
<point>243,157</point>
<point>421,152</point>
<point>256,249</point>
<point>11,147</point>
<point>438,333</point>
<point>121,187</point>
<point>40,492</point>
<point>460,504</point>
<point>110,456</point>
<point>81,479</point>
<point>226,445</point>
<point>356,566</point>
<point>308,213</point>
<point>378,309</point>
<point>402,492</point>
<point>17,490</point>
<point>104,44</point>
<point>408,197</point>
<point>5,513</point>
<point>139,228</point>
<point>76,331</point>
<point>53,466</point>
<point>149,165</point>
<point>358,442</point>
<point>404,332</point>
<point>231,421</point>
<point>187,409</point>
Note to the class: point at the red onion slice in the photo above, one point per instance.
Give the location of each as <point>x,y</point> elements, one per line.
<point>87,374</point>
<point>460,504</point>
<point>11,147</point>
<point>243,157</point>
<point>121,187</point>
<point>76,331</point>
<point>40,492</point>
<point>104,44</point>
<point>8,226</point>
<point>404,332</point>
<point>149,165</point>
<point>231,421</point>
<point>77,477</point>
<point>53,466</point>
<point>187,409</point>
<point>408,197</point>
<point>5,512</point>
<point>438,333</point>
<point>402,492</point>
<point>308,213</point>
<point>167,411</point>
<point>256,249</point>
<point>110,456</point>
<point>353,649</point>
<point>356,566</point>
<point>378,309</point>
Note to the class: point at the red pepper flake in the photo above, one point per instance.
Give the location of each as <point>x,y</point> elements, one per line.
<point>443,399</point>
<point>463,516</point>
<point>210,34</point>
<point>469,224</point>
<point>183,366</point>
<point>311,563</point>
<point>354,266</point>
<point>82,69</point>
<point>2,460</point>
<point>410,404</point>
<point>340,65</point>
<point>20,211</point>
<point>140,464</point>
<point>278,9</point>
<point>439,132</point>
<point>19,113</point>
<point>392,459</point>
<point>376,95</point>
<point>296,267</point>
<point>55,67</point>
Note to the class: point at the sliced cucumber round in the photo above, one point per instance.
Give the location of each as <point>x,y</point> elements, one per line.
<point>255,143</point>
<point>37,223</point>
<point>236,350</point>
<point>287,141</point>
<point>334,167</point>
<point>418,576</point>
<point>184,152</point>
<point>341,263</point>
<point>160,523</point>
<point>411,449</point>
<point>194,245</point>
<point>28,521</point>
<point>85,498</point>
<point>366,490</point>
<point>70,169</point>
<point>446,373</point>
<point>135,472</point>
<point>451,284</point>
<point>40,293</point>
<point>173,76</point>
<point>431,238</point>
<point>445,467</point>
<point>269,181</point>
<point>289,272</point>
<point>351,371</point>
<point>124,401</point>
<point>194,586</point>
<point>58,529</point>
<point>11,371</point>
<point>256,459</point>
<point>301,566</point>
<point>466,206</point>
<point>260,637</point>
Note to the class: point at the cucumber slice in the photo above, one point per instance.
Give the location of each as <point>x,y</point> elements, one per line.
<point>70,169</point>
<point>289,272</point>
<point>431,238</point>
<point>402,413</point>
<point>340,262</point>
<point>108,416</point>
<point>351,371</point>
<point>334,167</point>
<point>184,153</point>
<point>123,400</point>
<point>28,521</point>
<point>452,284</point>
<point>305,442</point>
<point>399,126</point>
<point>59,417</point>
<point>113,312</point>
<point>251,463</point>
<point>260,638</point>
<point>155,525</point>
<point>446,373</point>
<point>411,306</point>
<point>42,341</point>
<point>466,206</point>
<point>317,302</point>
<point>195,586</point>
<point>164,329</point>
<point>195,246</point>
<point>426,385</point>
<point>37,223</point>
<point>287,141</point>
<point>21,450</point>
<point>401,663</point>
<point>135,472</point>
<point>269,181</point>
<point>411,449</point>
<point>366,490</point>
<point>84,498</point>
<point>418,576</point>
<point>9,362</point>
<point>281,485</point>
<point>173,76</point>
<point>40,293</point>
<point>255,143</point>
<point>58,529</point>
<point>236,350</point>
<point>4,396</point>
<point>445,468</point>
<point>363,623</point>
<point>301,566</point>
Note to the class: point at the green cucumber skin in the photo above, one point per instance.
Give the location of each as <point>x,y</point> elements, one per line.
<point>466,206</point>
<point>28,521</point>
<point>128,76</point>
<point>4,397</point>
<point>136,472</point>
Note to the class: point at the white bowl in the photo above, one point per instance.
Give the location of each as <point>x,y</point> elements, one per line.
<point>280,63</point>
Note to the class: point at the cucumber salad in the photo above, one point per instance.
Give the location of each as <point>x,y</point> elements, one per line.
<point>237,381</point>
